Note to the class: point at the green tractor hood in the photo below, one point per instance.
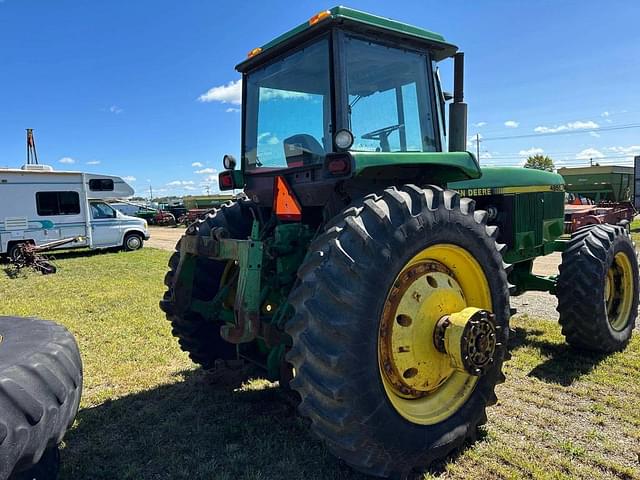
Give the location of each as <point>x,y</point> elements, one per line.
<point>506,180</point>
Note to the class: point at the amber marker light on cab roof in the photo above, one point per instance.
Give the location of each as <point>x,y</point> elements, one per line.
<point>319,16</point>
<point>254,52</point>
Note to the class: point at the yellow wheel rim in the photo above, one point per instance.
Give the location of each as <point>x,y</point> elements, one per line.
<point>618,291</point>
<point>419,380</point>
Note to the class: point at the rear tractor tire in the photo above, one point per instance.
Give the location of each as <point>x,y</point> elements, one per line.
<point>198,337</point>
<point>598,289</point>
<point>370,303</point>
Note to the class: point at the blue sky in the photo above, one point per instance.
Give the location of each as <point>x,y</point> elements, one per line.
<point>125,87</point>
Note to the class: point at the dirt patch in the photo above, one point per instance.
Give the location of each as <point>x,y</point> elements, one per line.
<point>164,238</point>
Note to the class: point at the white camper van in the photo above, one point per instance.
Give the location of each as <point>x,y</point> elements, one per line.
<point>39,205</point>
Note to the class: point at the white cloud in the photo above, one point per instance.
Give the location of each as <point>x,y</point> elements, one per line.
<point>605,114</point>
<point>578,125</point>
<point>129,178</point>
<point>629,152</point>
<point>178,183</point>
<point>67,160</point>
<point>93,162</point>
<point>115,109</point>
<point>588,153</point>
<point>197,165</point>
<point>632,150</point>
<point>232,110</point>
<point>206,171</point>
<point>267,94</point>
<point>479,124</point>
<point>511,124</point>
<point>472,140</point>
<point>209,178</point>
<point>531,151</point>
<point>594,134</point>
<point>229,93</point>
<point>189,188</point>
<point>268,138</point>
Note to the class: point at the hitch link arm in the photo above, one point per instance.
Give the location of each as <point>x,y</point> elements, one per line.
<point>249,255</point>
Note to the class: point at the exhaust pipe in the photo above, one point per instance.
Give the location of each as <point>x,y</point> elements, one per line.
<point>458,109</point>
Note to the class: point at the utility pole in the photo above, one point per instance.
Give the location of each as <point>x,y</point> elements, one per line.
<point>478,147</point>
<point>150,193</point>
<point>32,154</point>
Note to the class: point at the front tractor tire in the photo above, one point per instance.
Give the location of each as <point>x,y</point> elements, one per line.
<point>598,289</point>
<point>199,337</point>
<point>376,290</point>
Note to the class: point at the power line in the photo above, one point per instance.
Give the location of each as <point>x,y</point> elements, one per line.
<point>564,132</point>
<point>606,160</point>
<point>524,157</point>
<point>491,129</point>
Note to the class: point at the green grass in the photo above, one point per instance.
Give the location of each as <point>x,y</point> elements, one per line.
<point>148,413</point>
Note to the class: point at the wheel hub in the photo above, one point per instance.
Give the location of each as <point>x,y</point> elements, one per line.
<point>469,338</point>
<point>427,333</point>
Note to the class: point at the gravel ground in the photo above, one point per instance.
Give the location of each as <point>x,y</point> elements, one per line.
<point>536,304</point>
<point>164,238</point>
<point>539,304</point>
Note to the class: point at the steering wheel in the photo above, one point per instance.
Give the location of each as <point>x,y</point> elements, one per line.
<point>382,135</point>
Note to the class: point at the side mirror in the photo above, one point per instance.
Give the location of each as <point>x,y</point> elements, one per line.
<point>447,96</point>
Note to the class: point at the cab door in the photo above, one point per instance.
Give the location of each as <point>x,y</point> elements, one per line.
<point>106,230</point>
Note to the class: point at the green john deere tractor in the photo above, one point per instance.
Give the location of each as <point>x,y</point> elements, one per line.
<point>367,267</point>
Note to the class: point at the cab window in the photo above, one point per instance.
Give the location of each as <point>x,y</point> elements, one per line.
<point>102,210</point>
<point>389,103</point>
<point>288,110</point>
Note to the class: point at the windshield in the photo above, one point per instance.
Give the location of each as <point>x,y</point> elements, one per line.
<point>288,110</point>
<point>389,103</point>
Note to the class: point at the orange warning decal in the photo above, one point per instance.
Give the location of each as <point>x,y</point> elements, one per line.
<point>285,203</point>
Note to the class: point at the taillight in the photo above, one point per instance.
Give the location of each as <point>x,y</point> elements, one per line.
<point>225,180</point>
<point>338,165</point>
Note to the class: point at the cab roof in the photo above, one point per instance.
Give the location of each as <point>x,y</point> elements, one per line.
<point>353,20</point>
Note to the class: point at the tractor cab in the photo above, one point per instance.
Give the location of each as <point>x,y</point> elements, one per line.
<point>341,93</point>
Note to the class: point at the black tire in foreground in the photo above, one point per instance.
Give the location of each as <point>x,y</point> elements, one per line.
<point>598,288</point>
<point>339,302</point>
<point>40,388</point>
<point>198,337</point>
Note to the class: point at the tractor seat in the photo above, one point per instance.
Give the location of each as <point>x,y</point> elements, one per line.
<point>302,149</point>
